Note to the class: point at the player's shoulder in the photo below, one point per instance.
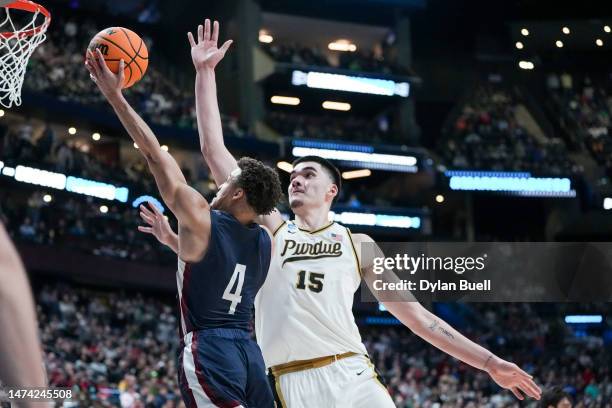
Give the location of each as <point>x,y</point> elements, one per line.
<point>361,238</point>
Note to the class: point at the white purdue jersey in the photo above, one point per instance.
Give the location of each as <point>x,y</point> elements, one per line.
<point>304,308</point>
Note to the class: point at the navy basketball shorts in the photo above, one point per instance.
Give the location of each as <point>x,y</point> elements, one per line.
<point>223,368</point>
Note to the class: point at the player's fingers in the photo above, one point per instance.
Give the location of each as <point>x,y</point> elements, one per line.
<point>191,39</point>
<point>91,63</point>
<point>531,389</point>
<point>146,230</point>
<point>226,45</point>
<point>215,32</point>
<point>516,393</point>
<point>122,72</point>
<point>200,33</point>
<point>207,29</point>
<point>144,209</point>
<point>147,218</point>
<point>154,209</point>
<point>100,64</point>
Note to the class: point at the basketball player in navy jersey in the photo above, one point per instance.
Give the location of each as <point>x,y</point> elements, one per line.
<point>223,261</point>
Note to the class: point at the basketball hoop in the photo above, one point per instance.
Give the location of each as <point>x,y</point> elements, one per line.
<point>17,45</point>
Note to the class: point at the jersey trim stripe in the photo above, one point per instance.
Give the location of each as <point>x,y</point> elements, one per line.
<point>355,253</point>
<point>278,228</point>
<point>317,230</point>
<point>279,392</point>
<point>190,369</point>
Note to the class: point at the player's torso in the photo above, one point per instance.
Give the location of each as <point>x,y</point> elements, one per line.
<point>304,309</point>
<point>219,290</point>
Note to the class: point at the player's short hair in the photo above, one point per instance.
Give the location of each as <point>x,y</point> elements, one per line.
<point>331,170</point>
<point>552,396</point>
<point>261,185</point>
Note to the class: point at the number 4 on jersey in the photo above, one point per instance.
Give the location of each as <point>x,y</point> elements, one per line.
<point>235,297</point>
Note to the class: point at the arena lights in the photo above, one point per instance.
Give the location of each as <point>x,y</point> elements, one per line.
<point>135,145</point>
<point>599,42</point>
<point>339,106</point>
<point>519,45</point>
<point>348,175</point>
<point>1,113</point>
<point>72,130</point>
<point>526,65</point>
<point>164,148</point>
<point>264,37</point>
<point>39,177</point>
<point>525,32</point>
<point>391,162</point>
<point>337,82</point>
<point>508,182</point>
<point>566,30</point>
<point>581,319</point>
<point>559,44</point>
<point>103,209</point>
<point>96,189</point>
<point>439,199</point>
<point>47,198</point>
<point>148,199</point>
<point>285,166</point>
<point>607,203</point>
<point>285,100</point>
<point>342,45</point>
<point>607,29</point>
<point>59,181</point>
<point>96,136</point>
<point>376,220</point>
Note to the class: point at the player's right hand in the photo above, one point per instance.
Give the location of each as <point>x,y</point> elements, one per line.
<point>204,53</point>
<point>159,226</point>
<point>509,376</point>
<point>110,84</point>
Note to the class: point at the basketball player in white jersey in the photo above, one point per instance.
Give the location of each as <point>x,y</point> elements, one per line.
<point>303,317</point>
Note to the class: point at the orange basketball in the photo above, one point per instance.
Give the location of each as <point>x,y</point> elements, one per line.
<point>116,44</point>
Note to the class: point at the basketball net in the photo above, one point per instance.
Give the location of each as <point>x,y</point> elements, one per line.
<point>16,47</point>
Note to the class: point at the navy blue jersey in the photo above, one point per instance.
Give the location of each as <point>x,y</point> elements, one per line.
<point>219,290</point>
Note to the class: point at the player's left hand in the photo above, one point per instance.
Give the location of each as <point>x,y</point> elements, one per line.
<point>205,53</point>
<point>509,376</point>
<point>110,84</point>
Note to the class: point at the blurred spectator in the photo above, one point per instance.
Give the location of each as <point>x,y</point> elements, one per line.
<point>487,136</point>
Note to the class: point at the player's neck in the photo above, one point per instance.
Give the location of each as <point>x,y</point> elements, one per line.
<point>312,221</point>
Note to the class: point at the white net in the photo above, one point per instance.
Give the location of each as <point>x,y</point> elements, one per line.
<point>17,43</point>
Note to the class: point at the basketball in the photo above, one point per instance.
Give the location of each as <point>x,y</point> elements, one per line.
<point>116,44</point>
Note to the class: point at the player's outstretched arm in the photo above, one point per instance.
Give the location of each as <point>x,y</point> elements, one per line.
<point>190,208</point>
<point>440,334</point>
<point>22,364</point>
<point>158,226</point>
<point>205,56</point>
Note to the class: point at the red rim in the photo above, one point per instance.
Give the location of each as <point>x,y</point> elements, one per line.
<point>27,5</point>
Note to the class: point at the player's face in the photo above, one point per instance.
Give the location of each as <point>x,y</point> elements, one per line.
<point>564,403</point>
<point>309,185</point>
<point>223,198</point>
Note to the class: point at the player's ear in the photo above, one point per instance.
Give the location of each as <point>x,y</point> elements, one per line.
<point>333,190</point>
<point>238,194</point>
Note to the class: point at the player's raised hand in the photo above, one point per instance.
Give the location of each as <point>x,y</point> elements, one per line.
<point>159,226</point>
<point>509,376</point>
<point>204,53</point>
<point>110,84</point>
